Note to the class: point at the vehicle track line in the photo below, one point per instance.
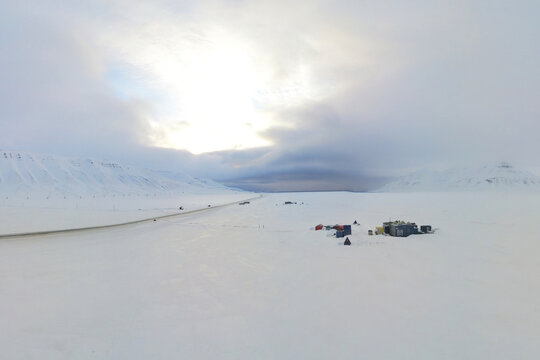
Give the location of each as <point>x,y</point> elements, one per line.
<point>87,228</point>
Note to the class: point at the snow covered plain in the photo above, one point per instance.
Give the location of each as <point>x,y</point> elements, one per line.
<point>256,282</point>
<point>21,215</point>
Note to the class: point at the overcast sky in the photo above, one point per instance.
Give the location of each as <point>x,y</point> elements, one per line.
<point>274,95</point>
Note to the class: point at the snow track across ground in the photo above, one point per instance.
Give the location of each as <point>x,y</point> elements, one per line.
<point>50,232</point>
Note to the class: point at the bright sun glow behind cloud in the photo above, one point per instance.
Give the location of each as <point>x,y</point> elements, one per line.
<point>214,93</point>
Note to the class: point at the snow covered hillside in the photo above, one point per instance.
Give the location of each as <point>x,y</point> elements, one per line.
<point>499,177</point>
<point>42,192</point>
<point>25,174</point>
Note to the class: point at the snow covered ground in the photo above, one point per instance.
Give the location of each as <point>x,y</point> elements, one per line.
<point>19,215</point>
<point>256,282</point>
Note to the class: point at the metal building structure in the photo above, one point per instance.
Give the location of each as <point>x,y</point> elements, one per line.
<point>403,230</point>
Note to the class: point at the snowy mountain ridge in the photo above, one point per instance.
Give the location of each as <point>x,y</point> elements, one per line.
<point>24,173</point>
<point>499,177</point>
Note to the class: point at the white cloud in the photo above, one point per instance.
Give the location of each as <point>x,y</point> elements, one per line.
<point>375,83</point>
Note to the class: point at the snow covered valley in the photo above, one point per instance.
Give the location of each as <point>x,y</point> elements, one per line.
<point>257,282</point>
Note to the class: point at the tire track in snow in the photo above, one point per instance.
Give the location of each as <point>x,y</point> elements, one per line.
<point>99,227</point>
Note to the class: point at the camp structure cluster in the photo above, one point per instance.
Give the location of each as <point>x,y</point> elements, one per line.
<point>396,228</point>
<point>401,229</point>
<point>341,230</point>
